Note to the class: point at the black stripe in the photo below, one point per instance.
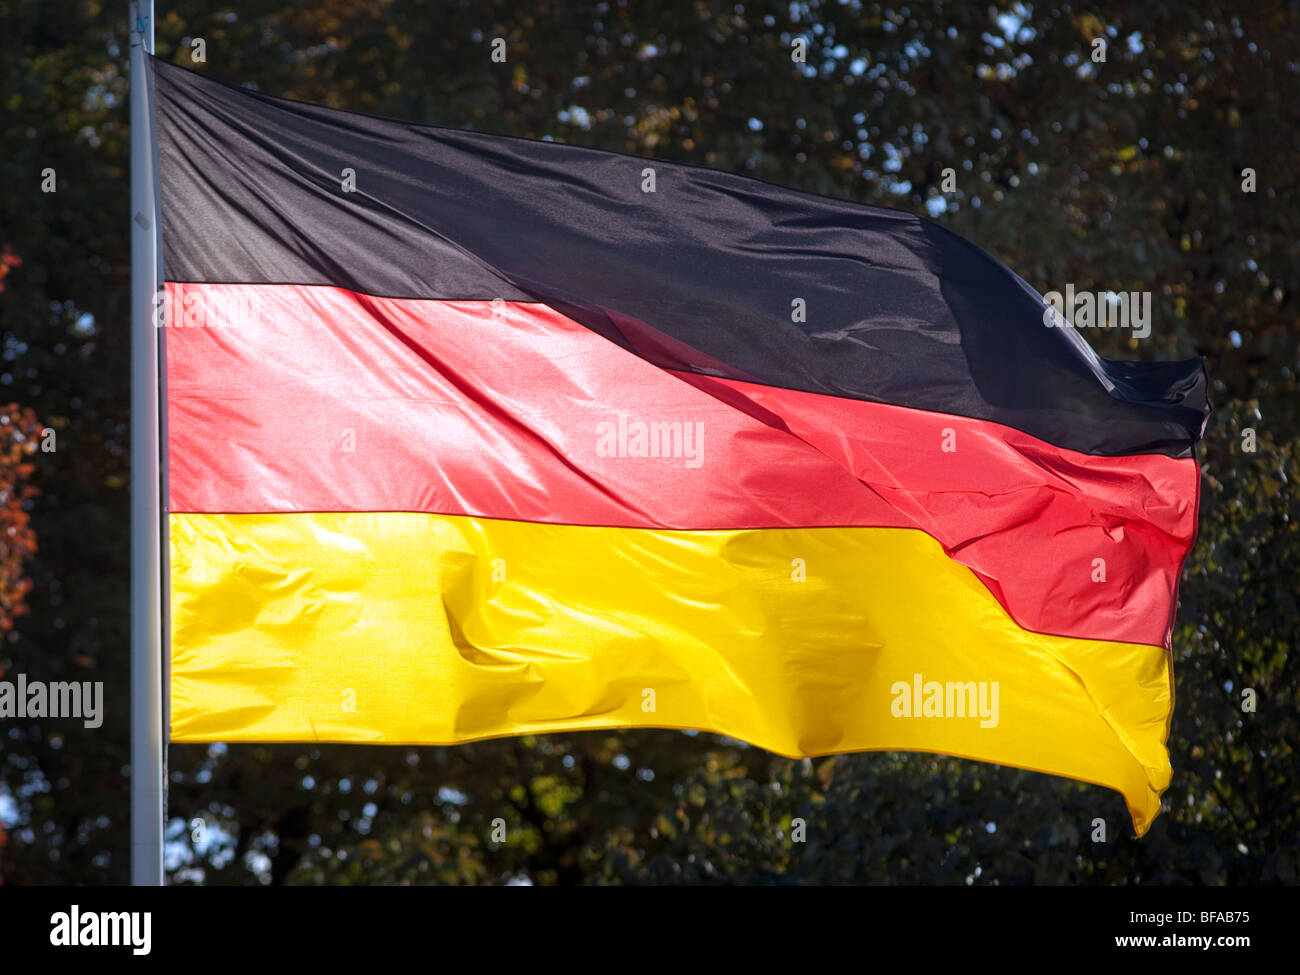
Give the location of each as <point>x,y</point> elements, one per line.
<point>699,275</point>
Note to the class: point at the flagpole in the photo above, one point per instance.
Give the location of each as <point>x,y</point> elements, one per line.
<point>147,758</point>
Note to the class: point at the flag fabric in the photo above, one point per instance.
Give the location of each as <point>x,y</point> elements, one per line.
<point>471,436</point>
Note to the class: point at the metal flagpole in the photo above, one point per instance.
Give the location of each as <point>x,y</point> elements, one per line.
<point>147,759</point>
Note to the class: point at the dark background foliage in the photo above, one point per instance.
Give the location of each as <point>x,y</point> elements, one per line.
<point>1125,175</point>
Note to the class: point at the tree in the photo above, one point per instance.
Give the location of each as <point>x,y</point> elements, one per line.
<point>1123,174</point>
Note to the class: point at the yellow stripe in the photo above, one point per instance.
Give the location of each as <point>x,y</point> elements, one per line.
<point>417,628</point>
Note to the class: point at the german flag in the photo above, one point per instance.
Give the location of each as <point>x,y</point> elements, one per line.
<point>471,436</point>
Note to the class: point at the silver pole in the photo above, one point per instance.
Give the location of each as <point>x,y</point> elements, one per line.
<point>147,758</point>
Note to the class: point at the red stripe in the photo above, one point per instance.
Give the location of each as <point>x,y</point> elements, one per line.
<point>494,409</point>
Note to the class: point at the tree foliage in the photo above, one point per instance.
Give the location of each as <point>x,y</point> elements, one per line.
<point>1121,175</point>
